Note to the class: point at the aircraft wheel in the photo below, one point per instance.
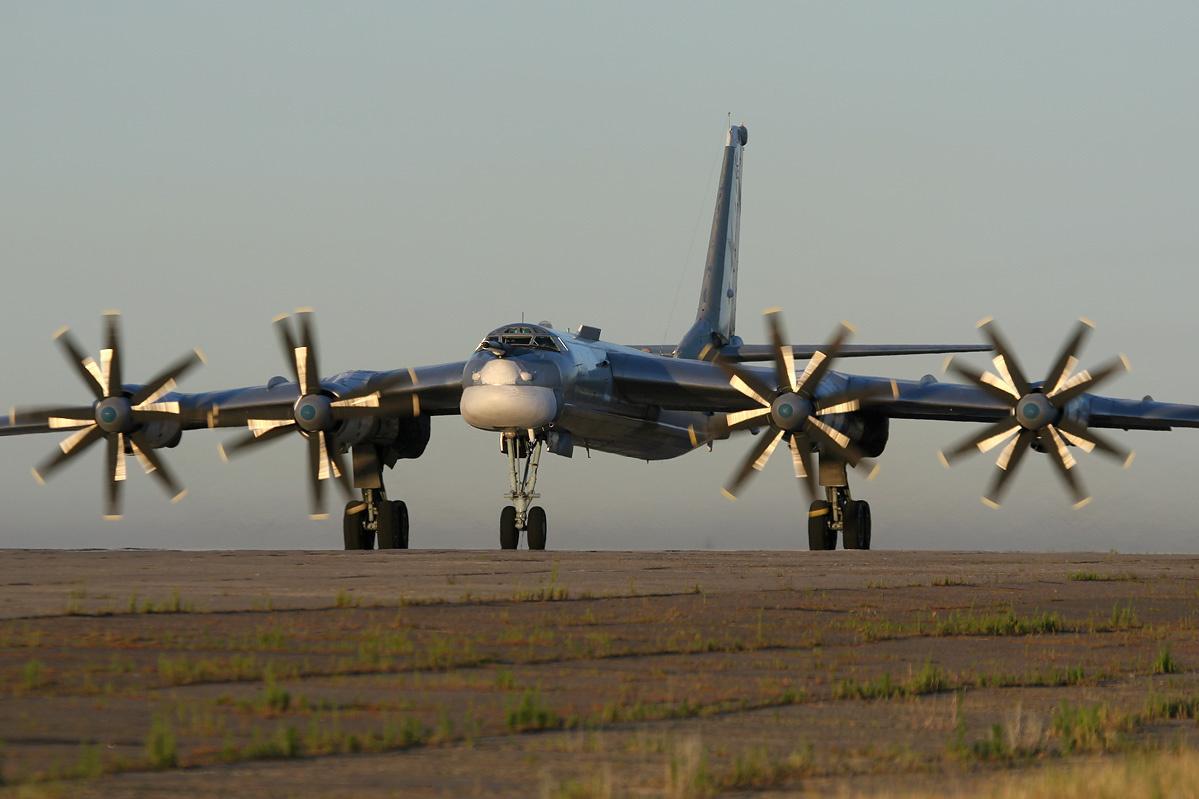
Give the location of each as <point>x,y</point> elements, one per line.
<point>537,528</point>
<point>351,525</point>
<point>402,514</point>
<point>857,525</point>
<point>509,535</point>
<point>393,525</point>
<point>819,533</point>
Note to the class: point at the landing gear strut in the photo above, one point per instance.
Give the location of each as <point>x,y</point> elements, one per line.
<point>840,512</point>
<point>375,517</point>
<point>524,456</point>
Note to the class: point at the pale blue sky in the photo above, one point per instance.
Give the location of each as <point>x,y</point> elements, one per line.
<point>420,173</point>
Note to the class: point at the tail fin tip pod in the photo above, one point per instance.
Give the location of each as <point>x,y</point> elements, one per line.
<point>715,319</point>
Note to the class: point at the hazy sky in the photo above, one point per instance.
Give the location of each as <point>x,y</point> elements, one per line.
<point>423,172</point>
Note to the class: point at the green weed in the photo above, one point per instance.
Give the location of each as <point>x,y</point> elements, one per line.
<point>161,751</point>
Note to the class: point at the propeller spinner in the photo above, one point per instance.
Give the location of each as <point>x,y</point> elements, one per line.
<point>1038,413</point>
<point>791,410</point>
<point>117,416</point>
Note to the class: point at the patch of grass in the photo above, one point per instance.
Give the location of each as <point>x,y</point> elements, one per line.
<point>505,680</point>
<point>687,774</point>
<point>930,679</point>
<point>950,582</point>
<point>1003,623</point>
<point>1093,728</point>
<point>172,604</point>
<point>1123,617</point>
<point>1165,663</point>
<point>531,713</point>
<point>1098,577</point>
<point>1173,707</point>
<point>757,769</point>
<point>33,675</point>
<point>1051,678</point>
<point>161,748</point>
<point>284,744</point>
<point>345,599</point>
<point>182,670</point>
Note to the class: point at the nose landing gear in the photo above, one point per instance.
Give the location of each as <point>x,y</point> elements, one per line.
<point>524,457</point>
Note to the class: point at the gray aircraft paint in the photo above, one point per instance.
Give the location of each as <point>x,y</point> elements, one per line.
<point>716,318</point>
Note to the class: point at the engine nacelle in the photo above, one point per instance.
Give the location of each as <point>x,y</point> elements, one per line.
<point>396,439</point>
<point>870,432</point>
<point>157,435</point>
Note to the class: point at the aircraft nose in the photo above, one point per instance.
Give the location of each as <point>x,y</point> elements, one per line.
<point>507,395</point>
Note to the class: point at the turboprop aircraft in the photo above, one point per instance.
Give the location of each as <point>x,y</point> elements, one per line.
<point>541,388</point>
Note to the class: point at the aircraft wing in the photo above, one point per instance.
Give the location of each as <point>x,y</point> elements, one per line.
<point>764,352</point>
<point>702,386</point>
<point>429,390</point>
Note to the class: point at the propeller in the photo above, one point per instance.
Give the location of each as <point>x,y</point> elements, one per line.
<point>117,415</point>
<point>317,413</point>
<point>1038,413</point>
<point>791,411</point>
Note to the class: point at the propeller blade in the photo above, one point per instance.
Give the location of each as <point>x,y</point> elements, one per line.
<point>316,486</point>
<point>822,359</point>
<point>70,447</point>
<point>1085,380</point>
<point>1067,359</point>
<point>838,442</point>
<point>802,463</point>
<point>115,475</point>
<point>784,358</point>
<point>312,383</point>
<point>84,366</point>
<point>54,416</point>
<point>747,382</point>
<point>1065,463</point>
<point>1087,440</point>
<point>110,356</point>
<point>165,381</point>
<point>1005,361</point>
<point>338,466</point>
<point>759,453</point>
<point>849,401</point>
<point>1009,459</point>
<point>990,437</point>
<point>750,418</point>
<point>154,466</point>
<point>996,387</point>
<point>282,324</point>
<point>254,438</point>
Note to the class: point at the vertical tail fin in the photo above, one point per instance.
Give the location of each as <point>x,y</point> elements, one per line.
<point>716,318</point>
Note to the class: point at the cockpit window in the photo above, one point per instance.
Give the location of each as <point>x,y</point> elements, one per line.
<point>522,337</point>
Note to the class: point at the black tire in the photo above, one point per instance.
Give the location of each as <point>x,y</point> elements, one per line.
<point>819,514</point>
<point>351,525</point>
<point>389,526</point>
<point>509,535</point>
<point>402,514</point>
<point>536,528</point>
<point>857,525</point>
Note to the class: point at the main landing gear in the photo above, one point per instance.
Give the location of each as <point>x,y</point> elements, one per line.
<point>375,518</point>
<point>838,513</point>
<point>524,456</point>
